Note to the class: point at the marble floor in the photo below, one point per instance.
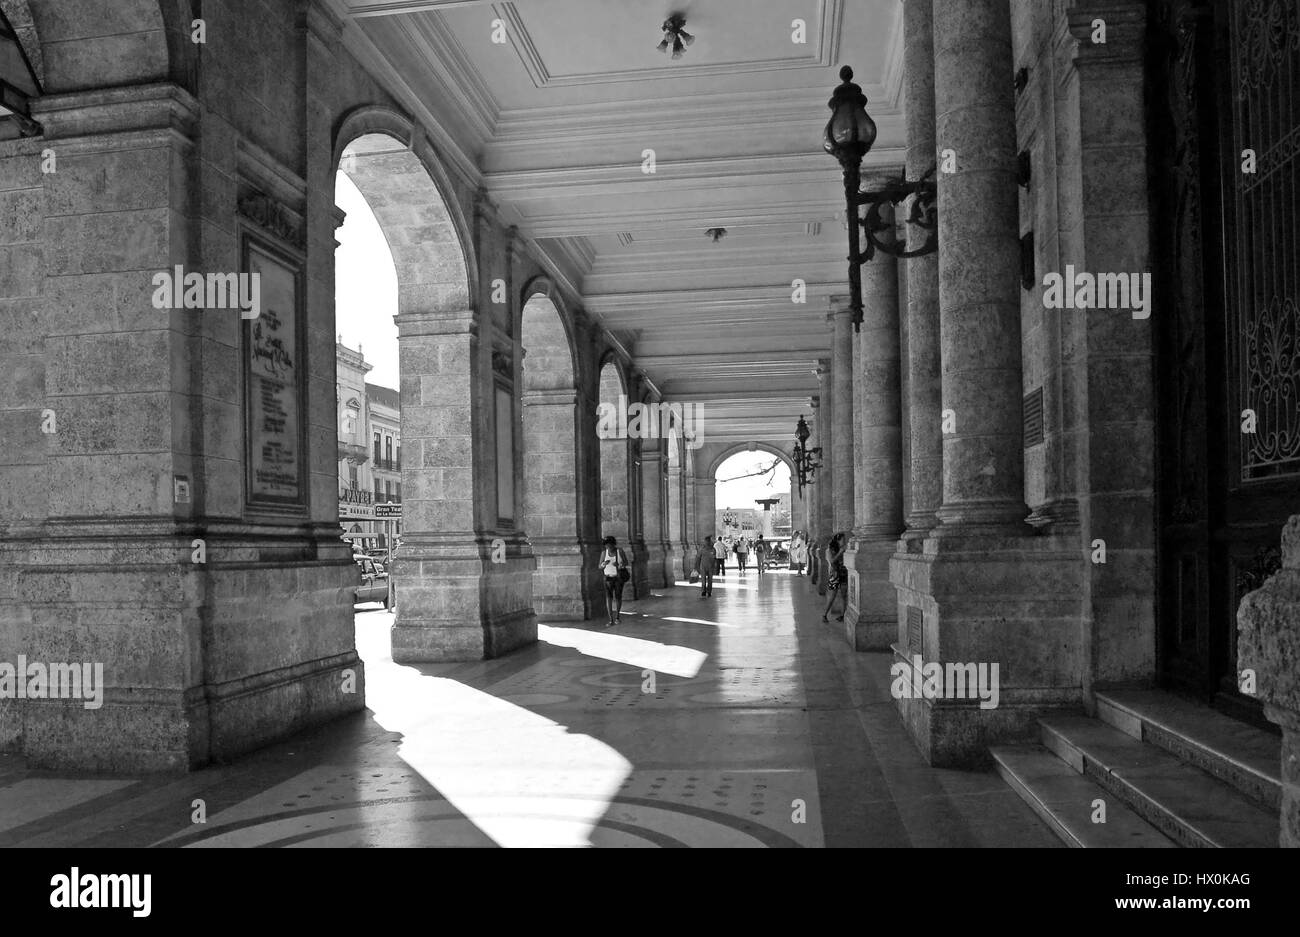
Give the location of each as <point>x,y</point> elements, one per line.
<point>738,720</point>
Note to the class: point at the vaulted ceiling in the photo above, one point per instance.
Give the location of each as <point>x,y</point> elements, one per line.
<point>554,122</point>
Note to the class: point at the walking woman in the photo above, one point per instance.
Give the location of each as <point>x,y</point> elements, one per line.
<point>798,554</point>
<point>705,561</point>
<point>836,575</point>
<point>614,567</point>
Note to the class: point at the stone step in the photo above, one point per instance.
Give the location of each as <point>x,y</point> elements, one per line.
<point>1063,799</point>
<point>1238,754</point>
<point>1185,803</point>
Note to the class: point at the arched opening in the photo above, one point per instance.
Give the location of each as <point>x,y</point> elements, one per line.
<point>367,374</point>
<point>753,498</point>
<point>441,613</point>
<point>550,460</point>
<point>615,488</point>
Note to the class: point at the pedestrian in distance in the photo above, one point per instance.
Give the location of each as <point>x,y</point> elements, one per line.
<point>705,563</point>
<point>761,550</point>
<point>616,571</point>
<point>720,554</point>
<point>742,554</point>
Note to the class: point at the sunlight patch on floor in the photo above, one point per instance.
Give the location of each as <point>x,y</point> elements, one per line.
<point>523,779</point>
<point>635,652</point>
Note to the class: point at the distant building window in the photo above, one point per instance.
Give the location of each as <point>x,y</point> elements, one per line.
<point>388,491</point>
<point>399,456</point>
<point>376,447</point>
<point>388,449</point>
<point>397,490</point>
<point>352,477</point>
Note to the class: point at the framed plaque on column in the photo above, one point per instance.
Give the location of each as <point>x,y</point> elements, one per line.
<point>274,354</point>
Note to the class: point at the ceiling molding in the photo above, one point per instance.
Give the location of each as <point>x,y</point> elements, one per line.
<point>830,17</point>
<point>361,9</point>
<point>455,69</point>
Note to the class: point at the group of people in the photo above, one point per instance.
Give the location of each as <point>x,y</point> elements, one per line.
<point>711,558</point>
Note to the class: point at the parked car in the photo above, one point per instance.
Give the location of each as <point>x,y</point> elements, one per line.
<point>374,581</point>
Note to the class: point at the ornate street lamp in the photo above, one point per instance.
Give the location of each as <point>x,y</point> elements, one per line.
<point>18,83</point>
<point>849,136</point>
<point>806,461</point>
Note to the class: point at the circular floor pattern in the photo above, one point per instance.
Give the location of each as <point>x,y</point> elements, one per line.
<point>539,821</point>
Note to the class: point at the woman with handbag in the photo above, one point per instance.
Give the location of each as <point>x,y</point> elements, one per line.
<point>615,568</point>
<point>836,575</point>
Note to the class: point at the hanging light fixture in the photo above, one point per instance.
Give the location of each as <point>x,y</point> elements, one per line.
<point>675,34</point>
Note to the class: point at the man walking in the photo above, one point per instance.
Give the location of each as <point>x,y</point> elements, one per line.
<point>760,555</point>
<point>742,554</point>
<point>705,562</point>
<point>720,554</point>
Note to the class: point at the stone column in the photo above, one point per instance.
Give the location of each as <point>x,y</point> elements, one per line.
<point>706,512</point>
<point>871,616</point>
<point>824,438</point>
<point>979,217</point>
<point>675,560</point>
<point>842,414</point>
<point>652,507</point>
<point>922,273</point>
<point>966,596</point>
<point>1268,648</point>
<point>551,501</point>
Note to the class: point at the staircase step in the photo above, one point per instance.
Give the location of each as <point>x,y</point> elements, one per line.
<point>1185,803</point>
<point>1238,754</point>
<point>1063,800</point>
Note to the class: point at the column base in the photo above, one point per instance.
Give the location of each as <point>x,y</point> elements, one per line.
<point>871,607</point>
<point>1268,643</point>
<point>1007,604</point>
<point>558,582</point>
<point>455,604</point>
<point>194,661</point>
<point>655,561</point>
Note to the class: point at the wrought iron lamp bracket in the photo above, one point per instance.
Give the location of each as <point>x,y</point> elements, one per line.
<point>924,214</point>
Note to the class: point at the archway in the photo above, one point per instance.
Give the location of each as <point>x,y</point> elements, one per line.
<point>550,459</point>
<point>615,482</point>
<point>460,571</point>
<point>742,479</point>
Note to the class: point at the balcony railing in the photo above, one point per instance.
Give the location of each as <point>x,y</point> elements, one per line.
<point>388,465</point>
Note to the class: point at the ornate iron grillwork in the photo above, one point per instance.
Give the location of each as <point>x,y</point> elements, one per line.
<point>1263,284</point>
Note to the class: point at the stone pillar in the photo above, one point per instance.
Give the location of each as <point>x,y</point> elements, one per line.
<point>691,528</point>
<point>652,507</point>
<point>924,408</point>
<point>965,597</point>
<point>706,508</point>
<point>448,609</point>
<point>979,216</point>
<point>551,502</point>
<point>824,483</point>
<point>871,615</point>
<point>675,569</point>
<point>842,414</point>
<point>1268,629</point>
